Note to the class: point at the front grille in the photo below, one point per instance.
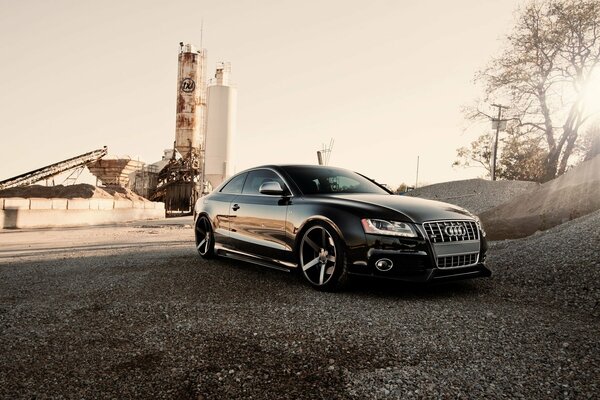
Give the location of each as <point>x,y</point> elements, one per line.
<point>457,261</point>
<point>451,231</point>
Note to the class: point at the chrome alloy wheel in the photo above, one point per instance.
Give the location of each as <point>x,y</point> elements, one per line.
<point>318,255</point>
<point>204,237</point>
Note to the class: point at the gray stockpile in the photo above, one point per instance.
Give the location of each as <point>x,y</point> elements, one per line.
<point>476,195</point>
<point>515,209</point>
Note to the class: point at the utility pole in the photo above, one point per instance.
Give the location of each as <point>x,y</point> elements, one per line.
<point>320,157</point>
<point>324,154</point>
<point>417,179</point>
<point>498,122</point>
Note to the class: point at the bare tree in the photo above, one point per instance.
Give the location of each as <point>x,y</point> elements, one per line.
<point>547,64</point>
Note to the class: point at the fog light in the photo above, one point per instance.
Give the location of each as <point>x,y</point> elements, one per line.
<point>384,264</point>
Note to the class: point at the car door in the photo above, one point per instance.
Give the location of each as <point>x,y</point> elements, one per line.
<point>257,221</point>
<point>220,203</point>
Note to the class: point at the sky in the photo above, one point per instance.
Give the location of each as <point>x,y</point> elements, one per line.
<point>385,79</point>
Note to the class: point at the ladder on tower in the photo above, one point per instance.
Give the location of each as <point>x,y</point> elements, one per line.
<point>53,169</point>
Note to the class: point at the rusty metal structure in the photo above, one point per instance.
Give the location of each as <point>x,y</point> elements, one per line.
<point>51,170</point>
<point>115,171</point>
<point>179,184</point>
<point>191,99</point>
<point>146,180</point>
<point>180,181</point>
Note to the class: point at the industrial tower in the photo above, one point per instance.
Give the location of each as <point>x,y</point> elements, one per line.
<point>204,129</point>
<point>180,181</point>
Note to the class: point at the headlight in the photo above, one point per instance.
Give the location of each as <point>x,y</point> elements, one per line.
<point>392,228</point>
<point>479,225</point>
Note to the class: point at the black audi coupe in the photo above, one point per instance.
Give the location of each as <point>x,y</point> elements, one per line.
<point>331,223</point>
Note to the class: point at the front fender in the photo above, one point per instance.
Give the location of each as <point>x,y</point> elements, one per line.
<point>345,223</point>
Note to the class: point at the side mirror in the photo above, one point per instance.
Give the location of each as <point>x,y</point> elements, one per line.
<point>271,188</point>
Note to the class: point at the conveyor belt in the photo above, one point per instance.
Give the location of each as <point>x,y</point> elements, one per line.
<point>53,169</point>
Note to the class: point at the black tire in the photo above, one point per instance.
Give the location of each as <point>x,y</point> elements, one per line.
<point>205,239</point>
<point>322,257</point>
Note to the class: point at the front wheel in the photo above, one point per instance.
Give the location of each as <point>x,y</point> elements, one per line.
<point>322,258</point>
<point>205,240</point>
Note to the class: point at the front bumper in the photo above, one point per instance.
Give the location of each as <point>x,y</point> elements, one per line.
<point>412,260</point>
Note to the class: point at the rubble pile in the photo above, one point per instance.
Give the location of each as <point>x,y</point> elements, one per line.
<point>80,191</point>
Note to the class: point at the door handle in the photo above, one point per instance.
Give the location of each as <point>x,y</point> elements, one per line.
<point>235,207</point>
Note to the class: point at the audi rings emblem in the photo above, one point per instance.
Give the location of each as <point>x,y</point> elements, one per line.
<point>455,230</point>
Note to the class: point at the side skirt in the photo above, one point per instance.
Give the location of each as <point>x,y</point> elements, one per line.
<point>241,256</point>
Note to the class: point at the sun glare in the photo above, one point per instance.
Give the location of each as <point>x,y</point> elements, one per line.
<point>591,94</point>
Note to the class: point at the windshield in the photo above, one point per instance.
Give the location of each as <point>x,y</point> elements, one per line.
<point>327,180</point>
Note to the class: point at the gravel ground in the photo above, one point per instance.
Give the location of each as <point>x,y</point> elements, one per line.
<point>476,195</point>
<point>561,264</point>
<point>131,312</point>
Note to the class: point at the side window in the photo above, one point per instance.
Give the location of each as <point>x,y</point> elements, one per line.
<point>235,185</point>
<point>257,177</point>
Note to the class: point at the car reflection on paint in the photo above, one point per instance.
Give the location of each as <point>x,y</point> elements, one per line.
<point>332,224</point>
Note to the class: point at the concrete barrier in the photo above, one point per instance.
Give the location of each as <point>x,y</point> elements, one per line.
<point>40,204</point>
<point>123,203</point>
<point>59,204</point>
<point>103,204</point>
<point>16,204</point>
<point>78,204</point>
<point>44,213</point>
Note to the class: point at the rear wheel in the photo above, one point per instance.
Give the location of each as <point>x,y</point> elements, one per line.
<point>205,240</point>
<point>322,258</point>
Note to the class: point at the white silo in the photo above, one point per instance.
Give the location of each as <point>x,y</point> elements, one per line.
<point>220,127</point>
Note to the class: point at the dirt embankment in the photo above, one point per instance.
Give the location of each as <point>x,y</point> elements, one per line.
<point>83,191</point>
<point>567,197</point>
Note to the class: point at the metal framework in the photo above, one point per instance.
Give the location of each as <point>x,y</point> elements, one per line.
<point>51,170</point>
<point>179,183</point>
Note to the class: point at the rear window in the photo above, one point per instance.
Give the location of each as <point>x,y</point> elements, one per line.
<point>234,186</point>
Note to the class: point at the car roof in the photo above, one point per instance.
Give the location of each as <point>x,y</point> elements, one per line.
<point>293,165</point>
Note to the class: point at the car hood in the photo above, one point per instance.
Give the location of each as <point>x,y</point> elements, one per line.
<point>416,209</point>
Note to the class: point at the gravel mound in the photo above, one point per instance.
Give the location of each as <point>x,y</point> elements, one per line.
<point>476,195</point>
<point>562,263</point>
<point>569,196</point>
<point>81,190</point>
